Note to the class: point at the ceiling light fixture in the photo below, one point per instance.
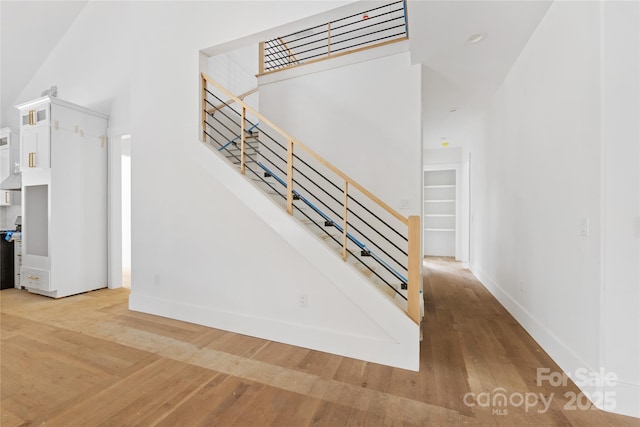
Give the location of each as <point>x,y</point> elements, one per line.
<point>476,38</point>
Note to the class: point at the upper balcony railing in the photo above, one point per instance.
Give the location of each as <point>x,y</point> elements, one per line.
<point>367,29</point>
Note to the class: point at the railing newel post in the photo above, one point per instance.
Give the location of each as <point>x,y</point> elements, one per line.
<point>415,269</point>
<point>243,139</point>
<point>344,220</point>
<point>261,58</point>
<point>406,18</point>
<point>290,177</point>
<point>204,107</point>
<point>329,39</point>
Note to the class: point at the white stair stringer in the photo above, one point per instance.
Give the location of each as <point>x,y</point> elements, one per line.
<point>399,348</point>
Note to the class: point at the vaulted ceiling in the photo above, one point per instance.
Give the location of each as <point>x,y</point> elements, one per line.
<point>457,73</point>
<point>30,30</point>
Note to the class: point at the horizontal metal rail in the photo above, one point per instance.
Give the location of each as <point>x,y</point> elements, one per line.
<point>232,141</point>
<point>367,29</point>
<point>352,238</point>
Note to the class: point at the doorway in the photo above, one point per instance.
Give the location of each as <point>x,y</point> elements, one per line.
<point>120,211</point>
<point>446,213</point>
<point>441,211</point>
<point>126,211</point>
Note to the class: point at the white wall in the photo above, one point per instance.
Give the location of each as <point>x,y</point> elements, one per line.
<point>367,129</point>
<point>540,173</point>
<point>442,155</point>
<point>90,65</point>
<point>236,69</point>
<point>620,293</point>
<point>198,252</point>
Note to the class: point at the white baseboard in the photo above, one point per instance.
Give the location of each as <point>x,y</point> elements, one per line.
<point>389,352</point>
<point>626,395</point>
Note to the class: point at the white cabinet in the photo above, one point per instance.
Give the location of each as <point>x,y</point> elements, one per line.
<point>35,135</point>
<point>34,148</point>
<point>5,168</point>
<point>5,165</point>
<point>64,198</point>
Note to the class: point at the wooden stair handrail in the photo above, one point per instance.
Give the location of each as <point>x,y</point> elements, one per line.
<point>309,151</point>
<point>291,54</point>
<point>242,96</point>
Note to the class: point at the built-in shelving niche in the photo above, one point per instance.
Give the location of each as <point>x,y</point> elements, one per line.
<point>439,212</point>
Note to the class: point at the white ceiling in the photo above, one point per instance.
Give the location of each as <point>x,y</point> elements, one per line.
<point>29,31</point>
<point>463,75</point>
<point>456,73</point>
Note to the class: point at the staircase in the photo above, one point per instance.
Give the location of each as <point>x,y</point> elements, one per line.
<point>365,232</point>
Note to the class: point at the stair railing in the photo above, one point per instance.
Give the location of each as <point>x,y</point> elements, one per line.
<point>340,208</point>
<point>364,30</point>
<point>224,104</point>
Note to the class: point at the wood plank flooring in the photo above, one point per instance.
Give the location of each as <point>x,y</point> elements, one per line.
<point>89,361</point>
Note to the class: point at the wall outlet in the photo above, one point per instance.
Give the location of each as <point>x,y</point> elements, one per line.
<point>584,227</point>
<point>405,203</point>
<point>303,300</point>
<point>156,279</point>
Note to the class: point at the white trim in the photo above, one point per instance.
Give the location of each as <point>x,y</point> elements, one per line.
<point>114,210</point>
<point>63,103</point>
<point>397,353</point>
<point>626,394</point>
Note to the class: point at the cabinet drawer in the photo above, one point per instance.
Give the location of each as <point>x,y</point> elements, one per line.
<point>35,278</point>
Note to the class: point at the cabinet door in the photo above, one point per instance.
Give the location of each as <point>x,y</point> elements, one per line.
<point>5,162</point>
<point>5,171</point>
<point>36,116</point>
<point>5,198</point>
<point>35,148</point>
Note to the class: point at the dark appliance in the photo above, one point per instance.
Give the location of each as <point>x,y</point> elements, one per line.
<point>7,276</point>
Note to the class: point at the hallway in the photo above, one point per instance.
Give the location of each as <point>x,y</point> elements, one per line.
<point>87,360</point>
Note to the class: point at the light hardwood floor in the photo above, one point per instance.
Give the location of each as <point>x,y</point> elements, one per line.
<point>87,360</point>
